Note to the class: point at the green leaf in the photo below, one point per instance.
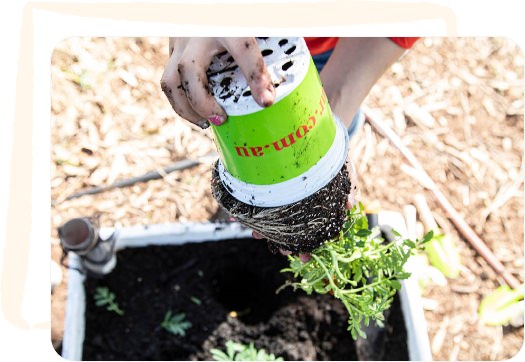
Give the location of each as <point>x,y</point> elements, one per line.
<point>175,324</point>
<point>443,255</point>
<point>363,233</point>
<point>403,275</point>
<point>395,233</point>
<point>240,352</point>
<point>395,284</point>
<point>501,306</point>
<point>428,236</point>
<point>103,297</point>
<point>410,243</point>
<point>219,355</point>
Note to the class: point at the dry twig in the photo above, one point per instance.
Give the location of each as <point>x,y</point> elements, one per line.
<point>152,175</point>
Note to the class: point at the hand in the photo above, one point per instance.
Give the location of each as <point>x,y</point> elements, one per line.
<point>185,82</point>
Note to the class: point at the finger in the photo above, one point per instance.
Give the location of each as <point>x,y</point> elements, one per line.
<point>305,257</point>
<point>350,201</point>
<point>192,68</point>
<point>354,183</point>
<point>285,252</point>
<point>248,56</point>
<point>256,235</point>
<point>171,46</point>
<point>172,89</point>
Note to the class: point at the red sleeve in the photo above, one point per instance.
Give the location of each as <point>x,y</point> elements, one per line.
<point>405,42</point>
<point>320,45</point>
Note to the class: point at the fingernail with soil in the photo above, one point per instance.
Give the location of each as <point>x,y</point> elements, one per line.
<point>216,120</point>
<point>350,202</point>
<point>256,235</point>
<point>267,98</point>
<point>203,124</point>
<point>305,257</point>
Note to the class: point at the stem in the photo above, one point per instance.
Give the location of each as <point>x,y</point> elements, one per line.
<point>356,290</point>
<point>329,277</point>
<point>336,268</point>
<point>116,309</point>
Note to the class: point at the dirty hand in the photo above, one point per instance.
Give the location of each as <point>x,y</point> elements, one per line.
<point>185,83</point>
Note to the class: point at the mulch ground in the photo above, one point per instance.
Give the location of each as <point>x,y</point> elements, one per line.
<point>456,103</point>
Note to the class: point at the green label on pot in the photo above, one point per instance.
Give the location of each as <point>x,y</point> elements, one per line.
<point>282,141</point>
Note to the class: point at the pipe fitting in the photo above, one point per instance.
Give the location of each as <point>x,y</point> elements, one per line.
<point>81,237</point>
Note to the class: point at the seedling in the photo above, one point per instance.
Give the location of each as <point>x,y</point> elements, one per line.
<point>503,306</point>
<point>196,300</point>
<point>176,324</point>
<point>443,254</point>
<point>441,250</point>
<point>241,352</point>
<point>357,269</point>
<point>103,297</point>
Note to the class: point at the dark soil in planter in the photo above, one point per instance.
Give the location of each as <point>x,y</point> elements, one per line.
<point>225,276</point>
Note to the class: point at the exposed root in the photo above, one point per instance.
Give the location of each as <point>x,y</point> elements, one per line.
<point>298,227</point>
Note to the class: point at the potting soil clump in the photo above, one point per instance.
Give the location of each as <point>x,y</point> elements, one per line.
<point>298,227</point>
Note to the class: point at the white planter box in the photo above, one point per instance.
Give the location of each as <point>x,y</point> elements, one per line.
<point>172,234</point>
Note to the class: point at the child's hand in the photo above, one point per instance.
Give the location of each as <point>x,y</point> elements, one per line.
<point>185,82</point>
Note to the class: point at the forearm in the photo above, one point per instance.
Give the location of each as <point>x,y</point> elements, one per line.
<point>353,68</point>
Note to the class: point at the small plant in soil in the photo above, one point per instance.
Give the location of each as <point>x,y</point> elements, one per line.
<point>176,324</point>
<point>358,269</point>
<point>103,297</point>
<point>241,352</point>
<point>196,300</point>
<point>502,306</point>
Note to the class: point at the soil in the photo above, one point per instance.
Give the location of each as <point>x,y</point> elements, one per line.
<point>235,282</point>
<point>298,227</point>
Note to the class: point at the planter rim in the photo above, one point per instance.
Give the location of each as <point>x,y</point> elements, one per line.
<point>181,233</point>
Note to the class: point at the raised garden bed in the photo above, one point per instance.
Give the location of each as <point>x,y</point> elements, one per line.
<point>224,282</point>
